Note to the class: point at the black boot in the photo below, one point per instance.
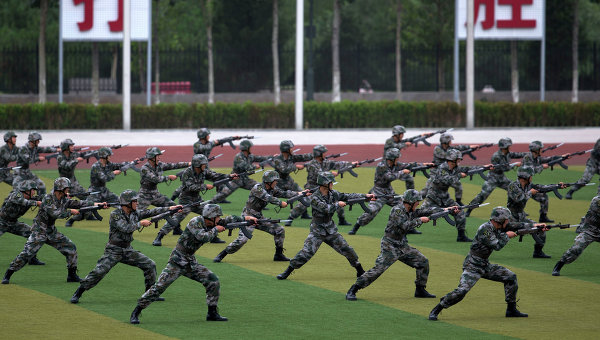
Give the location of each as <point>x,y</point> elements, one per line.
<point>157,241</point>
<point>286,273</point>
<point>544,219</point>
<point>414,232</point>
<point>458,201</point>
<point>217,240</point>
<point>220,256</point>
<point>513,312</point>
<point>354,229</point>
<point>570,193</point>
<point>351,295</point>
<point>35,262</point>
<point>343,221</point>
<point>69,222</point>
<point>160,298</point>
<point>557,268</point>
<point>359,270</point>
<point>72,276</point>
<point>177,231</point>
<point>433,315</point>
<point>306,216</point>
<point>467,214</point>
<point>135,315</point>
<point>289,221</point>
<point>7,276</point>
<point>462,237</point>
<point>213,314</point>
<point>77,295</point>
<point>279,255</point>
<point>538,253</point>
<point>420,292</point>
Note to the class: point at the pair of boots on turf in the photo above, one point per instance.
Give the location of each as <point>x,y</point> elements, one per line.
<point>71,276</point>
<point>277,257</point>
<point>420,292</point>
<point>288,271</point>
<point>511,311</point>
<point>212,315</point>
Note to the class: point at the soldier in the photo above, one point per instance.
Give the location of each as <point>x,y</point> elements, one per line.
<point>8,153</point>
<point>123,222</point>
<point>16,205</point>
<point>192,183</point>
<point>29,153</point>
<point>394,246</point>
<point>589,232</point>
<point>67,161</point>
<point>492,235</point>
<point>501,160</point>
<point>519,192</point>
<point>200,230</point>
<point>324,203</point>
<point>319,164</point>
<point>396,142</point>
<point>387,171</point>
<point>260,196</point>
<point>54,206</point>
<point>446,175</point>
<point>592,167</point>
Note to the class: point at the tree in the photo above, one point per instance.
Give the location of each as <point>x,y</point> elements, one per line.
<point>95,74</point>
<point>575,51</point>
<point>514,71</point>
<point>42,52</point>
<point>335,52</point>
<point>398,51</point>
<point>207,10</point>
<point>275,50</point>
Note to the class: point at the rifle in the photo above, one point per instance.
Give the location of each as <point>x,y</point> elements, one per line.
<point>352,166</point>
<point>444,213</point>
<point>244,224</point>
<point>423,138</point>
<point>360,201</point>
<point>559,160</point>
<point>167,214</point>
<point>302,198</point>
<point>56,154</point>
<point>552,147</point>
<point>526,231</point>
<point>132,165</point>
<point>94,153</point>
<point>416,168</point>
<point>336,155</point>
<point>226,180</point>
<point>480,170</point>
<point>10,168</point>
<point>211,158</point>
<point>269,161</point>
<point>469,151</point>
<point>231,139</point>
<point>554,188</point>
<point>94,209</point>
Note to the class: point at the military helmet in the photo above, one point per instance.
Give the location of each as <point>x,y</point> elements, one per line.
<point>392,154</point>
<point>445,138</point>
<point>211,211</point>
<point>198,160</point>
<point>33,136</point>
<point>203,133</point>
<point>286,146</point>
<point>245,145</point>
<point>597,145</point>
<point>61,183</point>
<point>504,143</point>
<point>453,154</point>
<point>319,150</point>
<point>104,152</point>
<point>525,172</point>
<point>500,214</point>
<point>64,145</point>
<point>325,177</point>
<point>411,196</point>
<point>153,152</point>
<point>8,135</point>
<point>269,176</point>
<point>536,145</point>
<point>127,197</point>
<point>27,185</point>
<point>398,129</point>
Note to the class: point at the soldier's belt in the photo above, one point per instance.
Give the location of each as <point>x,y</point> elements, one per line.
<point>184,250</point>
<point>122,244</point>
<point>478,254</point>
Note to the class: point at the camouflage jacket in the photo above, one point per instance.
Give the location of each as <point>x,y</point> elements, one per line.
<point>389,143</point>
<point>441,180</point>
<point>204,149</point>
<point>29,155</point>
<point>385,175</point>
<point>151,176</point>
<point>99,174</point>
<point>243,163</point>
<point>122,225</point>
<point>286,166</point>
<point>192,183</point>
<point>486,240</point>
<point>594,160</point>
<point>8,155</point>
<point>259,198</point>
<point>401,222</point>
<point>502,162</point>
<point>591,222</point>
<point>323,208</point>
<point>314,167</point>
<point>517,199</point>
<point>67,164</point>
<point>439,154</point>
<point>52,209</point>
<point>15,206</point>
<point>537,163</point>
<point>194,236</point>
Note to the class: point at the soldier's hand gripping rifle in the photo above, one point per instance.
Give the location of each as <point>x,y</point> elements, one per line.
<point>225,181</point>
<point>444,213</point>
<point>56,154</point>
<point>559,159</point>
<point>10,168</point>
<point>416,167</point>
<point>361,201</point>
<point>303,197</point>
<point>167,215</point>
<point>535,230</point>
<point>132,165</point>
<point>230,140</point>
<point>352,166</point>
<point>211,158</point>
<point>554,188</point>
<point>335,155</point>
<point>244,224</point>
<point>94,209</point>
<point>94,153</point>
<point>469,151</point>
<point>552,147</point>
<point>482,169</point>
<point>423,137</point>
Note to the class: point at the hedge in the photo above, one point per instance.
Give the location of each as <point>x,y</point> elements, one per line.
<point>360,114</point>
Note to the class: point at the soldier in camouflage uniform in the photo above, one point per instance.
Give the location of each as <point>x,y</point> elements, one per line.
<point>67,161</point>
<point>28,154</point>
<point>16,205</point>
<point>589,232</point>
<point>260,196</point>
<point>446,175</point>
<point>8,153</point>
<point>123,223</point>
<point>387,171</point>
<point>200,230</point>
<point>324,203</point>
<point>192,183</point>
<point>501,160</point>
<point>394,246</point>
<point>396,142</point>
<point>492,235</point>
<point>592,167</point>
<point>54,206</point>
<point>319,164</point>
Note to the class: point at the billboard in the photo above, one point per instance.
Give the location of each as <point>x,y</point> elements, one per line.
<point>503,19</point>
<point>102,20</point>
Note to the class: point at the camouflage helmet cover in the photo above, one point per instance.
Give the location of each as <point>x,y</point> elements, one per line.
<point>411,196</point>
<point>319,150</point>
<point>325,177</point>
<point>61,183</point>
<point>453,155</point>
<point>536,145</point>
<point>398,129</point>
<point>245,145</point>
<point>203,132</point>
<point>33,136</point>
<point>198,160</point>
<point>64,145</point>
<point>500,214</point>
<point>392,154</point>
<point>27,185</point>
<point>211,211</point>
<point>446,138</point>
<point>127,197</point>
<point>525,172</point>
<point>286,145</point>
<point>153,152</point>
<point>8,135</point>
<point>504,143</point>
<point>270,176</point>
<point>104,152</point>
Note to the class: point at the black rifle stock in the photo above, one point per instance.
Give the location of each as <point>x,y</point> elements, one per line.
<point>352,166</point>
<point>423,138</point>
<point>559,159</point>
<point>469,151</point>
<point>526,231</point>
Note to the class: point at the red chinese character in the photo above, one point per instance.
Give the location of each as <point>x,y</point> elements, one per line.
<point>117,25</point>
<point>88,17</point>
<point>516,21</point>
<point>489,13</point>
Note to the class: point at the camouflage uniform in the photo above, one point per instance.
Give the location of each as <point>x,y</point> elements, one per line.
<point>183,262</point>
<point>241,164</point>
<point>590,232</point>
<point>15,206</point>
<point>99,175</point>
<point>66,168</point>
<point>7,155</point>
<point>537,163</point>
<point>592,167</point>
<point>389,144</point>
<point>285,167</point>
<point>517,199</point>
<point>150,177</point>
<point>28,155</point>
<point>439,157</point>
<point>204,149</point>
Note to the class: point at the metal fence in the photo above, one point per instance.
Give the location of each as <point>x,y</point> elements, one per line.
<point>251,70</point>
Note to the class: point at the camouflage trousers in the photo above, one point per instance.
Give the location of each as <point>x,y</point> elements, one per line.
<point>376,206</point>
<point>114,254</point>
<point>492,183</point>
<point>152,197</point>
<point>314,241</point>
<point>192,270</point>
<point>581,242</point>
<point>26,175</point>
<point>460,218</point>
<point>588,173</point>
<point>274,229</point>
<point>458,190</point>
<point>471,275</point>
<point>180,216</point>
<point>243,182</point>
<point>37,239</point>
<point>542,199</point>
<point>392,251</point>
<point>16,228</point>
<point>7,177</point>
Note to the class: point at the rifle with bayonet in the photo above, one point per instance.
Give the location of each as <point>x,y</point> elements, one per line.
<point>167,215</point>
<point>480,170</point>
<point>10,168</point>
<point>94,153</point>
<point>526,231</point>
<point>444,213</point>
<point>554,188</point>
<point>225,181</point>
<point>352,166</point>
<point>416,167</point>
<point>559,159</point>
<point>269,161</point>
<point>56,154</point>
<point>94,209</point>
<point>423,138</point>
<point>230,140</point>
<point>244,224</point>
<point>132,165</point>
<point>335,155</point>
<point>469,151</point>
<point>552,147</point>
